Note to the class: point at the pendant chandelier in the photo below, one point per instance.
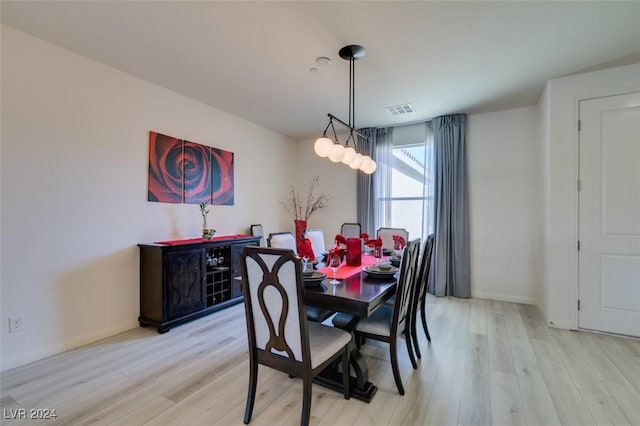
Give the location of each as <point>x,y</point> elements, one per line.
<point>333,149</point>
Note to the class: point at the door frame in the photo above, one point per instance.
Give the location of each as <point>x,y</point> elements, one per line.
<point>575,257</point>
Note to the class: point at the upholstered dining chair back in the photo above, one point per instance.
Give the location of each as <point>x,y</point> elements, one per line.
<point>420,293</point>
<point>386,235</point>
<point>278,332</point>
<point>256,231</point>
<point>282,240</point>
<point>316,236</point>
<point>273,300</point>
<point>406,283</point>
<point>350,230</point>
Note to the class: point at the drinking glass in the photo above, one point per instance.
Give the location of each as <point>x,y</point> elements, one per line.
<point>334,262</point>
<point>377,253</point>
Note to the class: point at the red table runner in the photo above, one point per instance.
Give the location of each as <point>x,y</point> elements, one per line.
<point>345,271</point>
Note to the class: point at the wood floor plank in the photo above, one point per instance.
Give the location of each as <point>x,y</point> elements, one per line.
<point>574,361</point>
<point>565,396</point>
<point>500,355</point>
<point>459,330</point>
<point>475,396</point>
<point>518,337</point>
<point>627,398</point>
<point>629,366</point>
<point>478,316</point>
<point>533,322</point>
<point>411,408</point>
<point>536,399</point>
<point>386,398</point>
<point>444,402</point>
<point>506,403</point>
<point>604,409</point>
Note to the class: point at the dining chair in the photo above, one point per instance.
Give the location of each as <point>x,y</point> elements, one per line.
<point>388,323</point>
<point>256,231</point>
<point>286,240</point>
<point>317,243</point>
<point>279,335</point>
<point>420,294</point>
<point>350,230</point>
<point>386,235</point>
<point>283,240</point>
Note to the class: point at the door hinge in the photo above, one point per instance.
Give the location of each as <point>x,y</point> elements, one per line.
<point>578,245</point>
<point>579,125</point>
<point>579,184</point>
<point>578,304</point>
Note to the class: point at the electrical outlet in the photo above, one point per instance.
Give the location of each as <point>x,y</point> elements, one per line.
<point>16,323</point>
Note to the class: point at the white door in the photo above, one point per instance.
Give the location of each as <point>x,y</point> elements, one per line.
<point>609,215</point>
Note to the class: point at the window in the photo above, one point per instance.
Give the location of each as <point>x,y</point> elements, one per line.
<point>404,198</point>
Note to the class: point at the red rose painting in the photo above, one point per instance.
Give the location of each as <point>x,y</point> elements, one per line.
<point>183,171</point>
<point>222,171</point>
<point>196,163</point>
<point>165,169</point>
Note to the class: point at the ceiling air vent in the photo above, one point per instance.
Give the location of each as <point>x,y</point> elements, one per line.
<point>400,109</point>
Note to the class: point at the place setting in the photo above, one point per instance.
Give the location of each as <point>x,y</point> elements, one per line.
<point>310,276</point>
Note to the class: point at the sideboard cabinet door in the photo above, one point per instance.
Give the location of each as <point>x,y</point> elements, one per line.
<point>185,288</point>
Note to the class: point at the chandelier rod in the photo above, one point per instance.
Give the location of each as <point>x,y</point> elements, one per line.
<point>333,117</point>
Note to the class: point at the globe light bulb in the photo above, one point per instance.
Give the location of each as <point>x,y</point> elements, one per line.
<point>323,146</point>
<point>349,155</point>
<point>372,168</point>
<point>337,153</point>
<point>366,161</point>
<point>356,162</point>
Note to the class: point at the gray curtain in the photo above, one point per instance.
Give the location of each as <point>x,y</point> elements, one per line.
<point>451,271</point>
<point>378,148</point>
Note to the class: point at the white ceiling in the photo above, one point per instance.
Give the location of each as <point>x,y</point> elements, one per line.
<point>252,59</point>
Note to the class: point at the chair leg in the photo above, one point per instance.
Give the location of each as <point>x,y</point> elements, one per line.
<point>407,338</point>
<point>424,318</point>
<point>346,374</point>
<point>414,333</point>
<point>306,400</point>
<point>251,392</point>
<point>394,366</point>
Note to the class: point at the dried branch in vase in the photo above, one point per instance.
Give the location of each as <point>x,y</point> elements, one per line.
<point>302,210</point>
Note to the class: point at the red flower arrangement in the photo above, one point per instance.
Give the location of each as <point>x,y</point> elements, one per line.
<point>337,251</point>
<point>398,242</point>
<point>375,243</point>
<point>339,239</point>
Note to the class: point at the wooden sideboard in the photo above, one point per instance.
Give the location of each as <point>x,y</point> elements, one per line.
<point>187,279</point>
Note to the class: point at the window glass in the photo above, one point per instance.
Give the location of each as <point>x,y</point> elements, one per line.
<point>406,197</point>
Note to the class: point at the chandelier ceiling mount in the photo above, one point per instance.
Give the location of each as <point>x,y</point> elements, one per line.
<point>333,149</point>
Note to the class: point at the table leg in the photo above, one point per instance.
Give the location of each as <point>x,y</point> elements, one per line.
<point>361,387</point>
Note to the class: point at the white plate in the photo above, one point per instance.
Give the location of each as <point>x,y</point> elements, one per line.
<point>375,272</point>
<point>314,279</point>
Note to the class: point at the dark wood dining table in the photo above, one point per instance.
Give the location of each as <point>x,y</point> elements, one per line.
<point>353,298</point>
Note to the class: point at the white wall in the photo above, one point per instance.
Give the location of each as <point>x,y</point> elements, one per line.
<point>504,198</point>
<point>74,182</point>
<point>562,95</point>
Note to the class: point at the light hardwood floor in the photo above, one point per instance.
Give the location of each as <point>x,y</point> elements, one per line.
<point>488,363</point>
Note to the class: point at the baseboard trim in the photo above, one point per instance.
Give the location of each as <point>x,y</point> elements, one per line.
<point>503,297</point>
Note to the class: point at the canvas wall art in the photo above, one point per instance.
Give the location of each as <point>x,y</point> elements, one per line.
<point>181,171</point>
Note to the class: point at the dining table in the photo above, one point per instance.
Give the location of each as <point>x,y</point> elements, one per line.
<point>355,296</point>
